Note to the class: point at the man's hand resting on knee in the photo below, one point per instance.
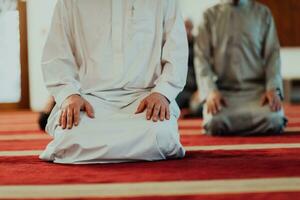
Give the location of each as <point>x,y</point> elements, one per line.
<point>273,99</point>
<point>157,106</point>
<point>215,101</point>
<point>71,108</point>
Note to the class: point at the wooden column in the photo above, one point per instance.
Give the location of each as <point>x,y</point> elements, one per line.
<point>287,17</point>
<point>24,102</point>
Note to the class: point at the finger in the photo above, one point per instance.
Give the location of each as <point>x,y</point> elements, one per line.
<point>76,116</point>
<point>141,107</point>
<point>214,108</point>
<point>163,112</point>
<point>64,119</point>
<point>156,111</point>
<point>149,111</point>
<point>70,113</point>
<point>217,107</point>
<point>275,107</point>
<point>218,104</point>
<point>89,109</point>
<point>168,113</point>
<point>263,101</point>
<point>209,110</point>
<point>272,104</point>
<point>278,105</point>
<point>60,117</point>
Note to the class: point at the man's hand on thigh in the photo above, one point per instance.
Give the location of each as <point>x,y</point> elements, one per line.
<point>157,107</point>
<point>70,111</point>
<point>215,101</point>
<point>273,99</point>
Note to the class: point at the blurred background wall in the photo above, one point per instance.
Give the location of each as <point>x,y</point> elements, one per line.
<point>39,15</point>
<point>287,14</point>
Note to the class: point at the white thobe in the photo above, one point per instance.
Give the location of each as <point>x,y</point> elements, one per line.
<point>114,53</point>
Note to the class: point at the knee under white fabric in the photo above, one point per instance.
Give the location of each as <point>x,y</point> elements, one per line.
<point>115,135</point>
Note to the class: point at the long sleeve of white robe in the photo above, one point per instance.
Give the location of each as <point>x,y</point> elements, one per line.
<point>58,63</point>
<point>174,53</point>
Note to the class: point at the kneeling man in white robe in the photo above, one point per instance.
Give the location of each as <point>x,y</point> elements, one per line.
<point>238,70</point>
<point>115,68</point>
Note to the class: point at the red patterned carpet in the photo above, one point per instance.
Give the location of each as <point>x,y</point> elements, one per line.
<point>252,168</point>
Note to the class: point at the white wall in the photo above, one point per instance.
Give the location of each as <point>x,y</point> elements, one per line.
<point>290,62</point>
<point>194,9</point>
<point>39,17</point>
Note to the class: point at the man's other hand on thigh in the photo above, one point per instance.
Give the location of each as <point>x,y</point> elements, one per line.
<point>70,111</point>
<point>157,107</point>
